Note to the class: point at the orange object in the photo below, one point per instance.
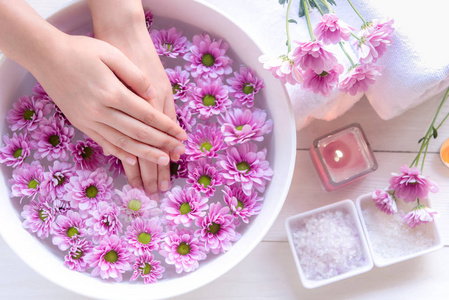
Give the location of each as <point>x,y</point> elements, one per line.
<point>444,152</point>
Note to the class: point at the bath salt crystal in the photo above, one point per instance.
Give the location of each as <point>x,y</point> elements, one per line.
<point>328,245</point>
<point>391,237</point>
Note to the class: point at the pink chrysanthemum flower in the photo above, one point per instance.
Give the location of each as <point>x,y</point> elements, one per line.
<point>322,82</point>
<point>110,258</point>
<point>385,202</point>
<point>27,113</point>
<point>52,139</point>
<point>179,169</point>
<point>68,228</point>
<point>182,206</point>
<point>410,185</point>
<point>359,79</point>
<point>88,188</point>
<point>149,19</point>
<point>283,68</point>
<point>61,206</point>
<point>16,149</point>
<point>56,178</point>
<point>244,86</point>
<point>182,249</point>
<point>331,30</point>
<point>207,58</point>
<point>210,99</point>
<point>204,177</point>
<point>241,204</point>
<point>374,40</point>
<point>185,118</point>
<point>144,235</point>
<point>148,268</point>
<point>38,89</point>
<point>245,165</point>
<point>170,43</point>
<point>217,229</point>
<point>419,215</point>
<point>75,259</point>
<point>115,165</point>
<point>312,55</point>
<point>180,82</point>
<point>239,126</point>
<point>39,217</point>
<point>104,221</point>
<point>26,181</point>
<point>207,141</point>
<point>135,203</point>
<point>59,115</point>
<point>87,155</point>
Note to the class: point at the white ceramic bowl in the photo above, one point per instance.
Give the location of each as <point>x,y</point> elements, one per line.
<point>15,81</point>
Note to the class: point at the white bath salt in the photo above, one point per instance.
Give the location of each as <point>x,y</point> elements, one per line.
<point>391,238</point>
<point>328,245</point>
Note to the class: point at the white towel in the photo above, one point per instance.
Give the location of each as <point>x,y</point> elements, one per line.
<point>414,68</point>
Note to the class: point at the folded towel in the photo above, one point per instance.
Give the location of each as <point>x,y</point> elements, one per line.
<point>414,68</point>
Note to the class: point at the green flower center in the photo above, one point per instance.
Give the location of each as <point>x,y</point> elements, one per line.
<point>72,231</point>
<point>204,180</point>
<point>87,152</point>
<point>28,114</point>
<point>208,60</point>
<point>175,88</point>
<point>239,205</point>
<point>61,179</point>
<point>146,269</point>
<point>18,153</point>
<point>323,74</point>
<point>243,166</point>
<point>111,257</point>
<point>78,254</point>
<point>134,205</point>
<point>54,140</point>
<point>185,208</point>
<point>209,100</point>
<point>239,128</point>
<point>248,89</point>
<point>33,184</point>
<point>214,228</point>
<point>43,215</point>
<point>91,191</point>
<point>144,238</point>
<point>169,47</point>
<point>205,146</point>
<point>183,248</point>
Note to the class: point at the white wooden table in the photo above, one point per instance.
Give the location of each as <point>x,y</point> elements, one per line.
<point>269,271</point>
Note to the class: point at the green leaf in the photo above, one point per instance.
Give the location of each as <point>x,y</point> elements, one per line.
<point>435,132</point>
<point>282,2</point>
<point>311,3</point>
<point>292,21</point>
<point>420,140</point>
<point>301,12</point>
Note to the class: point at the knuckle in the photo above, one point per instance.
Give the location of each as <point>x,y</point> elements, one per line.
<point>149,117</point>
<point>142,134</point>
<point>135,180</point>
<point>122,142</point>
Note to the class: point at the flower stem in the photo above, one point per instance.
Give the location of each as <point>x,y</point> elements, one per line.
<point>287,27</point>
<point>325,3</point>
<point>318,7</point>
<point>347,54</point>
<point>357,12</point>
<point>309,24</point>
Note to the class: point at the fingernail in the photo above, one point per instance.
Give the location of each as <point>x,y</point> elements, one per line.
<point>165,185</point>
<point>163,160</point>
<point>182,136</point>
<point>151,92</point>
<point>130,161</point>
<point>179,150</point>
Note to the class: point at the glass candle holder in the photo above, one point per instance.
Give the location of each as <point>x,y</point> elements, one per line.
<point>444,153</point>
<point>342,156</point>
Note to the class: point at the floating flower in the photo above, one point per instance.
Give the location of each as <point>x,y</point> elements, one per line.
<point>75,259</point>
<point>67,229</point>
<point>207,58</point>
<point>88,188</point>
<point>52,139</point>
<point>59,115</point>
<point>283,68</point>
<point>38,89</point>
<point>374,40</point>
<point>185,118</point>
<point>410,185</point>
<point>183,250</point>
<point>207,141</point>
<point>115,165</point>
<point>241,204</point>
<point>39,217</point>
<point>27,113</point>
<point>322,82</point>
<point>148,268</point>
<point>331,30</point>
<point>53,184</point>
<point>179,169</point>
<point>110,258</point>
<point>61,206</point>
<point>16,149</point>
<point>312,55</point>
<point>149,19</point>
<point>104,221</point>
<point>244,164</point>
<point>239,126</point>
<point>180,82</point>
<point>144,235</point>
<point>210,99</point>
<point>419,215</point>
<point>184,205</point>
<point>217,229</point>
<point>87,155</point>
<point>26,181</point>
<point>244,86</point>
<point>204,177</point>
<point>169,42</point>
<point>360,78</point>
<point>135,203</point>
<point>385,202</point>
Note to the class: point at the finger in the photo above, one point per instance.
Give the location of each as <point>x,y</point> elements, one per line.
<point>133,175</point>
<point>148,172</point>
<point>163,174</point>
